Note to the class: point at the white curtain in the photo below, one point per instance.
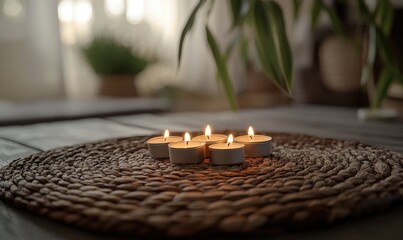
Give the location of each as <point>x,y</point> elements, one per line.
<point>154,27</point>
<point>30,60</point>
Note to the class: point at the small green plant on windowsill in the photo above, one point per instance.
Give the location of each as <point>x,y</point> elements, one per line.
<point>107,56</point>
<point>115,64</point>
<point>265,19</point>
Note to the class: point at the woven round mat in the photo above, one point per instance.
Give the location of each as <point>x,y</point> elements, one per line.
<point>114,186</point>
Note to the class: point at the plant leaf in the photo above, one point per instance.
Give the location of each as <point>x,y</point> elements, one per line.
<point>384,16</point>
<point>384,46</point>
<point>371,51</point>
<point>230,47</point>
<point>380,23</point>
<point>264,61</point>
<point>239,10</point>
<point>296,6</point>
<point>238,40</point>
<point>243,50</point>
<point>280,39</point>
<point>272,44</point>
<point>106,55</point>
<point>334,18</point>
<point>188,27</point>
<point>315,12</point>
<point>222,69</point>
<point>385,79</point>
<point>242,42</point>
<point>317,7</point>
<point>364,11</point>
<point>265,45</point>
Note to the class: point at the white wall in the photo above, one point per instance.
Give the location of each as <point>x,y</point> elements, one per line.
<point>30,63</point>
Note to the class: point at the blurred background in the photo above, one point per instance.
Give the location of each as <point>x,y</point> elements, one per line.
<point>78,50</point>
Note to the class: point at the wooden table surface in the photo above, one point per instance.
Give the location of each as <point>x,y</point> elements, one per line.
<point>330,122</point>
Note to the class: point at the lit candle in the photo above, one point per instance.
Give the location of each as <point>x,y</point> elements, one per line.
<point>158,146</point>
<point>255,145</point>
<point>210,139</point>
<point>187,151</point>
<point>227,153</point>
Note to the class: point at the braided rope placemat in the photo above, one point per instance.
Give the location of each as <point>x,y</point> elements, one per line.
<point>114,186</point>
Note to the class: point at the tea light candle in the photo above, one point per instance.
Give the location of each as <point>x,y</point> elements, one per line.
<point>210,139</point>
<point>186,152</point>
<point>158,146</point>
<point>255,145</point>
<point>227,153</point>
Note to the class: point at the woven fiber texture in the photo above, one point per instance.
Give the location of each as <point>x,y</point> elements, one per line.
<point>114,186</point>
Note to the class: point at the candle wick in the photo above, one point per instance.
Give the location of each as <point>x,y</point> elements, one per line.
<point>187,143</point>
<point>208,137</point>
<point>251,137</point>
<point>165,139</point>
<point>228,144</point>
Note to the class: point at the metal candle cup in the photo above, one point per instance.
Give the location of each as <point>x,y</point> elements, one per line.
<point>187,152</point>
<point>227,153</point>
<point>180,153</point>
<point>220,154</point>
<point>212,139</point>
<point>257,146</point>
<point>158,146</point>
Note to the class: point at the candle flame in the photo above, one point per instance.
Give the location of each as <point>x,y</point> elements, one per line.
<point>230,139</point>
<point>250,132</point>
<point>207,133</point>
<point>166,135</point>
<point>187,138</point>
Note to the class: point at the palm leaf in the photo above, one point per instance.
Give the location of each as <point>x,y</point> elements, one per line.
<point>367,68</point>
<point>385,79</point>
<point>272,44</point>
<point>334,18</point>
<point>364,11</point>
<point>384,46</point>
<point>296,6</point>
<point>315,12</point>
<point>222,69</point>
<point>384,16</point>
<point>264,61</point>
<point>281,41</point>
<point>317,7</point>
<point>265,44</point>
<point>188,27</point>
<point>336,22</point>
<point>243,49</point>
<point>239,10</point>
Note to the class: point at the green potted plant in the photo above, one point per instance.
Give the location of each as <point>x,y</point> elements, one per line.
<point>338,51</point>
<point>264,18</point>
<point>379,68</point>
<point>115,64</point>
